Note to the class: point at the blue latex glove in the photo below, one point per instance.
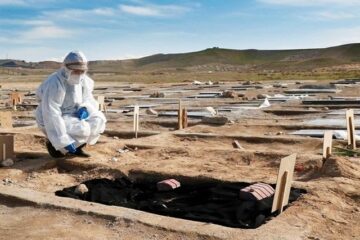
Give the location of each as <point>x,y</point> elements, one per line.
<point>82,113</point>
<point>71,148</point>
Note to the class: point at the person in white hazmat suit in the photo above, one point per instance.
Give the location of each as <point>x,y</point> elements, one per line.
<point>68,113</point>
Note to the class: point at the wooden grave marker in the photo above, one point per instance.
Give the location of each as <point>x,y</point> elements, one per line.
<point>180,112</point>
<point>136,120</point>
<point>15,98</point>
<point>182,117</point>
<point>327,145</point>
<point>6,120</point>
<point>6,147</point>
<point>350,126</point>
<point>283,183</point>
<point>101,101</point>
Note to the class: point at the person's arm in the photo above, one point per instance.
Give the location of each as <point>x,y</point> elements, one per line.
<point>89,101</point>
<point>53,97</point>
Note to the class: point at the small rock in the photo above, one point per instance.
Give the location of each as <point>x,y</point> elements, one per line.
<point>157,95</point>
<point>217,120</point>
<point>7,163</point>
<point>87,221</point>
<point>7,181</point>
<point>247,83</point>
<point>211,110</point>
<point>280,133</point>
<point>114,159</point>
<point>81,189</point>
<point>241,94</point>
<point>195,82</point>
<point>236,144</point>
<point>33,175</point>
<point>123,150</point>
<point>115,137</point>
<point>209,83</point>
<point>326,108</point>
<point>299,167</point>
<point>231,122</point>
<point>262,96</point>
<point>228,94</point>
<point>151,111</point>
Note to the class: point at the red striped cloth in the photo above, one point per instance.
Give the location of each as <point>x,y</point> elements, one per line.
<point>257,191</point>
<point>168,185</point>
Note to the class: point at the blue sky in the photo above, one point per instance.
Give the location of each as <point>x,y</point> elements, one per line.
<point>36,30</point>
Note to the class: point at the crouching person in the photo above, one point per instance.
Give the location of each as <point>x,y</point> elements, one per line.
<point>67,113</point>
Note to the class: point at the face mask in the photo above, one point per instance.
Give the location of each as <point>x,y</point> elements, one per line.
<point>74,79</point>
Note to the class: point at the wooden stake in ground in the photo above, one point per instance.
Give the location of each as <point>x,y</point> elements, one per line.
<point>6,120</point>
<point>101,101</point>
<point>327,145</point>
<point>350,128</point>
<point>7,147</point>
<point>184,119</point>
<point>180,116</point>
<point>136,120</point>
<point>15,98</point>
<point>283,183</point>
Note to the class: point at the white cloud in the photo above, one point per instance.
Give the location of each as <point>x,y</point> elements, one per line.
<point>25,22</point>
<point>55,59</point>
<point>312,2</point>
<point>32,53</point>
<point>36,22</point>
<point>154,10</point>
<point>103,11</point>
<point>12,2</point>
<point>329,15</point>
<point>78,14</point>
<point>340,36</point>
<point>25,3</point>
<point>319,39</point>
<point>4,39</point>
<point>46,32</point>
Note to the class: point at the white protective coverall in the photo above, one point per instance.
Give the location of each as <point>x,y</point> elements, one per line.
<point>58,103</point>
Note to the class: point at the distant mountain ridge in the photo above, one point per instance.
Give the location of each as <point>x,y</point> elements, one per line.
<point>260,59</point>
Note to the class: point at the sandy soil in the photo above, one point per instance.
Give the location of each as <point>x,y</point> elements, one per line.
<point>33,223</point>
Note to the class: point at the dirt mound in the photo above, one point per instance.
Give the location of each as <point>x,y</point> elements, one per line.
<point>342,167</point>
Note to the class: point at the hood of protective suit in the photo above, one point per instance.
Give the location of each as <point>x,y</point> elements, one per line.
<point>76,60</point>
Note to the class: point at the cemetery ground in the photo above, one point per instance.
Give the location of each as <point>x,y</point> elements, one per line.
<point>263,117</point>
